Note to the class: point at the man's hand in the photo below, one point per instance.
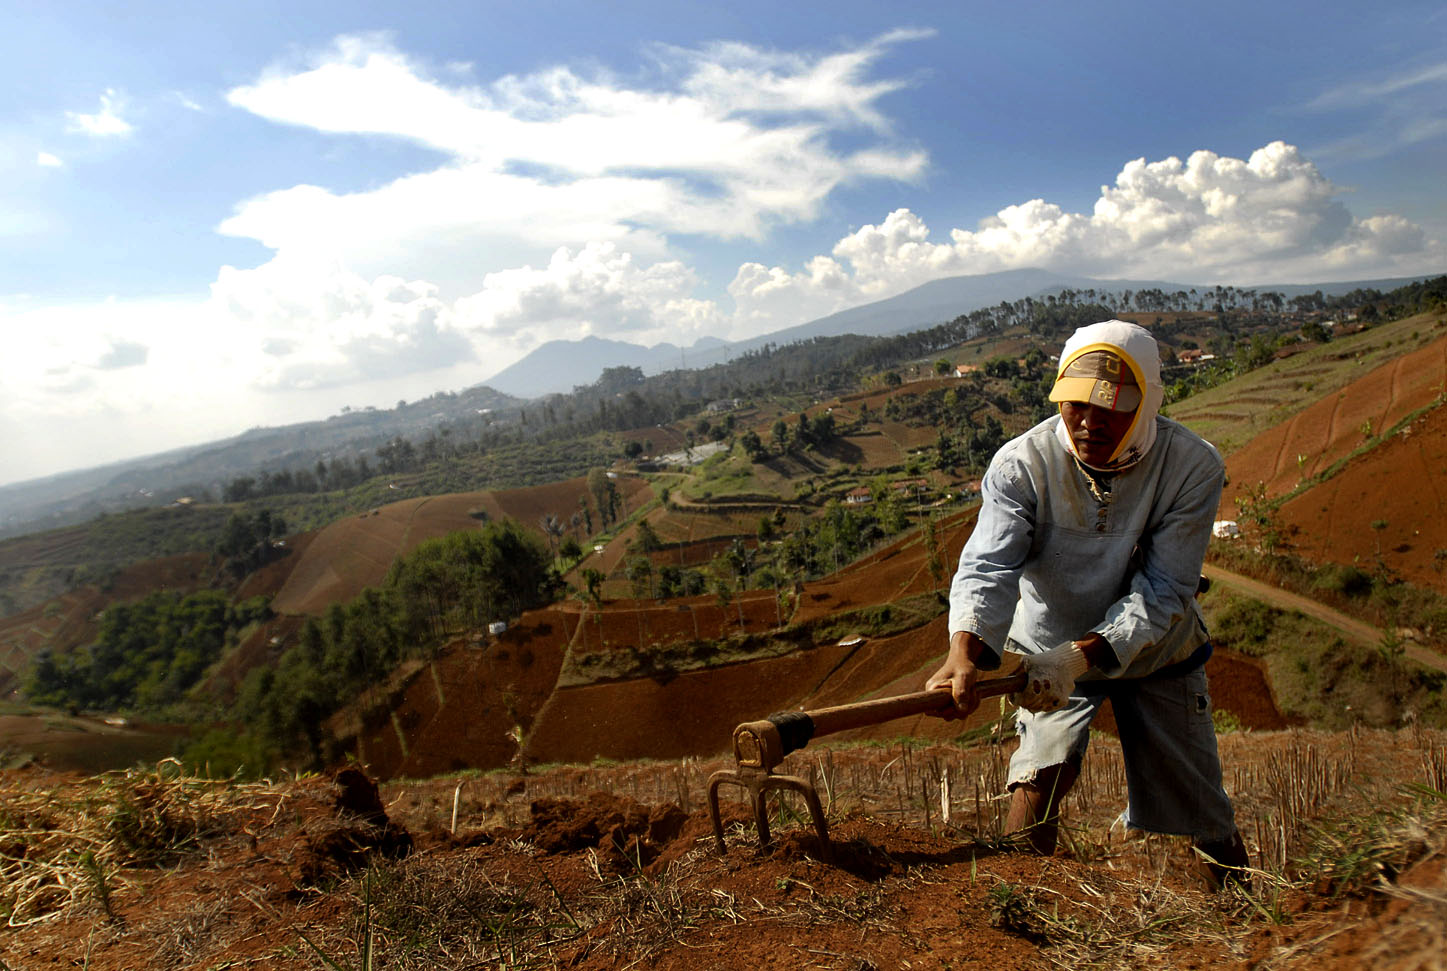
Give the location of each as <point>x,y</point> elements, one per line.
<point>959,674</point>
<point>1052,675</point>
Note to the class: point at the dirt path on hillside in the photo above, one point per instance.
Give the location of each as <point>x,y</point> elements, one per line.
<point>1360,631</point>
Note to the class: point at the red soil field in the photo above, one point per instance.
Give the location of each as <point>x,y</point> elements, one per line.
<point>462,713</point>
<point>1333,427</point>
<point>621,858</point>
<point>466,708</point>
<point>1386,504</point>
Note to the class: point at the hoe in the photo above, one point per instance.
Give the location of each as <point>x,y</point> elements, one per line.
<point>760,746</point>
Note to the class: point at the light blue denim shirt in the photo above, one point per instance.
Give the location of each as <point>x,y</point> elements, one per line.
<point>1049,562</point>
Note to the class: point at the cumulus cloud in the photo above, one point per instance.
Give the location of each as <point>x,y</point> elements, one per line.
<point>105,123</point>
<point>596,290</point>
<point>48,161</point>
<point>740,140</point>
<point>123,354</point>
<point>315,326</point>
<point>577,185</point>
<point>1271,217</point>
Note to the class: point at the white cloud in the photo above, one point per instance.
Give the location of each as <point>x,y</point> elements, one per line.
<point>305,325</point>
<point>599,173</point>
<point>558,158</point>
<point>88,384</point>
<point>123,354</point>
<point>48,161</point>
<point>311,326</point>
<point>1364,91</point>
<point>597,290</point>
<point>1272,217</point>
<point>107,122</point>
<point>1388,111</point>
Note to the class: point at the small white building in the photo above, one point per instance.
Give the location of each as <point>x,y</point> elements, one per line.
<point>1225,529</point>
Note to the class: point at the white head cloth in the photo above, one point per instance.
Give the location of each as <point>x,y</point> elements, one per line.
<point>1137,348</point>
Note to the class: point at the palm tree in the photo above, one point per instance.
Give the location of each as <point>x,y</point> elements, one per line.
<point>553,527</point>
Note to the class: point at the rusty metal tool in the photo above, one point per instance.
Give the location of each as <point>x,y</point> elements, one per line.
<point>759,747</point>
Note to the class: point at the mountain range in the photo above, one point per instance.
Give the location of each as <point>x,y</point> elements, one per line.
<point>557,367</point>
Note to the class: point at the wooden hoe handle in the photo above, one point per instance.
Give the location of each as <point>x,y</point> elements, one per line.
<point>763,744</point>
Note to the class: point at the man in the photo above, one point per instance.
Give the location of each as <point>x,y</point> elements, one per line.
<point>1085,560</point>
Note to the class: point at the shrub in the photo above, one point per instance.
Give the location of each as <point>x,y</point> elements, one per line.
<point>1343,579</point>
<point>220,754</point>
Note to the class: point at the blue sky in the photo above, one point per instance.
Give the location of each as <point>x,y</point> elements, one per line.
<point>214,217</point>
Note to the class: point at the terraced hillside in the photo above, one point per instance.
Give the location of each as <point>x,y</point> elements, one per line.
<point>1232,414</point>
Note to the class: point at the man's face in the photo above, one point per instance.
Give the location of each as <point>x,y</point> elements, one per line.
<point>1097,432</point>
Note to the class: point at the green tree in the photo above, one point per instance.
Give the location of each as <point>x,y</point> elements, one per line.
<point>640,576</point>
<point>598,487</point>
<point>766,530</point>
<point>1256,513</point>
<point>779,433</point>
<point>646,537</point>
<point>592,583</point>
<point>753,446</point>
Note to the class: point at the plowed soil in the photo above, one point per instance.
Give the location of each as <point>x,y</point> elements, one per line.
<point>1386,505</point>
<point>617,867</point>
<point>1311,441</point>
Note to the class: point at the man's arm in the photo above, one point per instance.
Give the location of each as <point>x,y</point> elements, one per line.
<point>1162,589</point>
<point>986,584</point>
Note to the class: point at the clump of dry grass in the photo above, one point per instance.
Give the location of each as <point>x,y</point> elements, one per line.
<point>64,846</point>
<point>434,911</point>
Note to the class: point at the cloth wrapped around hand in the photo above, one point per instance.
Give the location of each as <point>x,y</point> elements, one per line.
<point>1051,677</point>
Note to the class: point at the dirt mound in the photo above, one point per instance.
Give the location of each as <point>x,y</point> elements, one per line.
<point>347,840</point>
<point>631,835</point>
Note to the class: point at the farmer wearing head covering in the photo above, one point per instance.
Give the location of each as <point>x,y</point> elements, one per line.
<point>1085,560</point>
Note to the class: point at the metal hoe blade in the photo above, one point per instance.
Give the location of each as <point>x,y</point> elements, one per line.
<point>760,746</point>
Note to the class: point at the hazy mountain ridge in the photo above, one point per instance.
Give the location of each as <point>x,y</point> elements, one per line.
<point>559,366</point>
<point>57,499</point>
